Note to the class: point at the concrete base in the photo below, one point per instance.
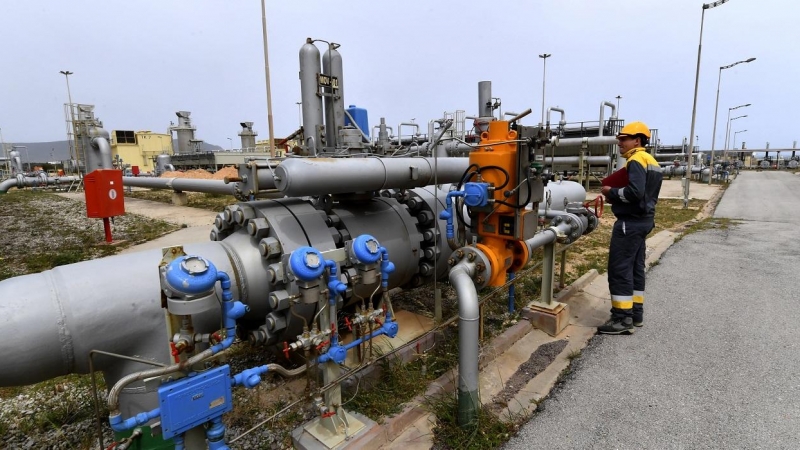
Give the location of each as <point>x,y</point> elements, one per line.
<point>551,320</point>
<point>180,199</point>
<point>331,433</point>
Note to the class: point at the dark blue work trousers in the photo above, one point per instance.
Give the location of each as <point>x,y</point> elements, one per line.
<point>626,256</point>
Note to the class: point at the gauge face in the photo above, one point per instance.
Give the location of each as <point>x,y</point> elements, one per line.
<point>312,260</point>
<point>194,265</point>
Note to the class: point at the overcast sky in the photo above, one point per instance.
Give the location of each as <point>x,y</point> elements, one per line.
<point>140,61</point>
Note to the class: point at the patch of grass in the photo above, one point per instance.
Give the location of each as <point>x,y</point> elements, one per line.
<point>489,432</point>
<point>574,354</point>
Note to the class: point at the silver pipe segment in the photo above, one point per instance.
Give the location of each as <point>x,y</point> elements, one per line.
<point>603,111</point>
<point>468,340</point>
<point>563,120</point>
<point>484,99</point>
<point>548,236</point>
<point>184,185</point>
<point>579,142</point>
<point>575,160</point>
<point>21,182</point>
<point>298,177</point>
<point>103,148</point>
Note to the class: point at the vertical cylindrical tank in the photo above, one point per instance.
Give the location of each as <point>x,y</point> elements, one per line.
<point>334,104</point>
<point>311,102</point>
<point>360,117</point>
<point>248,136</point>
<point>185,133</point>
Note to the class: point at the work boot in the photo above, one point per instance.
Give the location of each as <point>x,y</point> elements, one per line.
<point>638,315</point>
<point>617,325</point>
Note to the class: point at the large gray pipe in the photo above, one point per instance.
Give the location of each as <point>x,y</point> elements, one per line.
<point>298,177</point>
<point>334,105</point>
<point>111,304</point>
<point>184,185</point>
<point>20,182</point>
<point>468,340</point>
<point>311,102</point>
<point>100,155</point>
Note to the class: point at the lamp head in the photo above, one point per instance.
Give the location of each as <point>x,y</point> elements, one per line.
<point>749,60</point>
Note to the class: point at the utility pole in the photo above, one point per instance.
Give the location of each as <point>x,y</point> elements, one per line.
<point>544,57</point>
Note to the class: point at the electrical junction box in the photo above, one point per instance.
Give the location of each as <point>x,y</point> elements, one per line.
<point>104,196</point>
<point>194,400</point>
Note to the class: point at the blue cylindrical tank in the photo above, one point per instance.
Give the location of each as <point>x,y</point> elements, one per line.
<point>360,116</point>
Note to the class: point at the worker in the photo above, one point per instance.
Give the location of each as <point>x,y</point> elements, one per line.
<point>634,206</point>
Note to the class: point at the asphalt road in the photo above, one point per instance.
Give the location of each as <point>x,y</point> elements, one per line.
<point>717,364</point>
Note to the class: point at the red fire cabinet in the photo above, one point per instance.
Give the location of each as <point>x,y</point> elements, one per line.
<point>104,196</point>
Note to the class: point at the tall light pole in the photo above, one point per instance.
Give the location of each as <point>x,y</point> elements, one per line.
<point>716,108</point>
<point>66,74</point>
<point>544,57</point>
<point>299,114</point>
<point>728,129</point>
<point>266,73</point>
<point>725,153</point>
<point>734,137</point>
<point>619,97</point>
<point>689,161</point>
<point>231,142</point>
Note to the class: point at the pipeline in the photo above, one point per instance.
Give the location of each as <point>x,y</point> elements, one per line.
<point>43,180</point>
<point>298,177</point>
<point>185,185</point>
<point>603,111</point>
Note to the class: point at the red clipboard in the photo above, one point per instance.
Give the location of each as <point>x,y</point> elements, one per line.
<point>618,179</point>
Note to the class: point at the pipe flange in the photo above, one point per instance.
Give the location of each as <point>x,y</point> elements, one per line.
<point>483,268</point>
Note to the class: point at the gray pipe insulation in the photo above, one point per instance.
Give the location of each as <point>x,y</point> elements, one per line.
<point>184,185</point>
<point>21,181</point>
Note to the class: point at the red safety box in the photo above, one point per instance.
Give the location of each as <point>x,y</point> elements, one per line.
<point>104,196</point>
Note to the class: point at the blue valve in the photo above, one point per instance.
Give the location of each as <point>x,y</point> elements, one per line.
<point>366,249</point>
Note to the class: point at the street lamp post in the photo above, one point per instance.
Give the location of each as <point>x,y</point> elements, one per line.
<point>231,142</point>
<point>728,130</point>
<point>544,57</point>
<point>725,153</point>
<point>716,108</point>
<point>694,104</point>
<point>299,114</point>
<point>266,73</point>
<point>734,137</point>
<point>66,74</point>
<point>618,99</point>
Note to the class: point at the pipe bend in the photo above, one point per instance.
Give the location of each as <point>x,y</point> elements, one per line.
<point>461,279</point>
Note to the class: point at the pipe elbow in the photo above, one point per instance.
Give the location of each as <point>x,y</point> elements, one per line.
<point>461,279</point>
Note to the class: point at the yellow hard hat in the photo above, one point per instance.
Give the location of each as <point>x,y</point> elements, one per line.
<point>634,128</point>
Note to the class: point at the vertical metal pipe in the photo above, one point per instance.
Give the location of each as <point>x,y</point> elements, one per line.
<point>563,269</point>
<point>484,98</point>
<point>548,272</point>
<point>468,346</point>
